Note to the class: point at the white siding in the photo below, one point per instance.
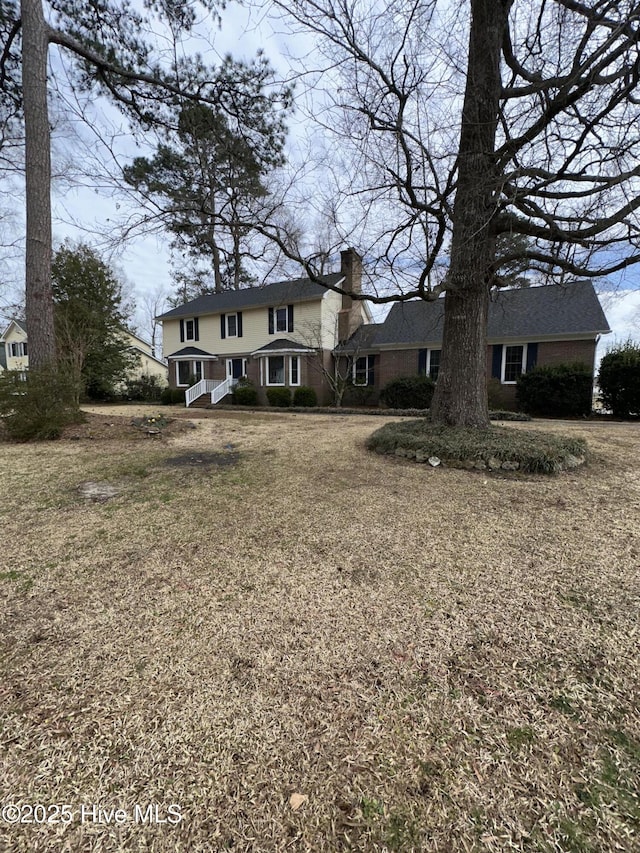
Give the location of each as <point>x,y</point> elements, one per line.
<point>15,335</point>
<point>255,330</point>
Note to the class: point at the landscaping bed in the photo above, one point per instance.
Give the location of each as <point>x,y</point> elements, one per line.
<point>496,448</point>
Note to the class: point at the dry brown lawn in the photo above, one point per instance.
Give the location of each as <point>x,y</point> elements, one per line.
<point>304,646</point>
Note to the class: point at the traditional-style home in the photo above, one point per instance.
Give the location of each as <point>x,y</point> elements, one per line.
<point>279,335</point>
<point>293,333</point>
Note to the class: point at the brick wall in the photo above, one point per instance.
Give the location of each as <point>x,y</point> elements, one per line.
<point>395,363</point>
<point>558,352</point>
<point>313,377</point>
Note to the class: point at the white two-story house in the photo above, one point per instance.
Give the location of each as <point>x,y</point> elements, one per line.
<point>281,334</point>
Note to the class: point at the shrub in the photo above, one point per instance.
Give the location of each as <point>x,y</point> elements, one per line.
<point>408,392</point>
<point>245,393</point>
<point>619,380</point>
<point>172,396</point>
<point>279,397</point>
<point>305,396</point>
<point>556,391</point>
<point>39,406</point>
<point>146,389</point>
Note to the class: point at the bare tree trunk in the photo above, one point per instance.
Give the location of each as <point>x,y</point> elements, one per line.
<point>38,294</point>
<point>460,398</point>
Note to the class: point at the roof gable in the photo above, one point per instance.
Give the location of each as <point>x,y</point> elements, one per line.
<point>13,324</point>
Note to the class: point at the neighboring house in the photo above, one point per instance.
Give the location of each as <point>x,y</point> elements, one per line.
<point>147,365</point>
<point>279,335</point>
<point>14,353</point>
<point>275,335</point>
<point>527,327</point>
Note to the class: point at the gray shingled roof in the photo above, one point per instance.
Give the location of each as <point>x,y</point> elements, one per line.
<point>278,293</point>
<point>524,313</point>
<point>191,352</point>
<point>284,344</point>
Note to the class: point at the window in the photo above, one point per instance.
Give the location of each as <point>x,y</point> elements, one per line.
<point>189,330</point>
<point>275,370</point>
<point>294,371</point>
<point>281,319</point>
<point>18,350</point>
<point>433,366</point>
<point>363,370</point>
<point>232,325</point>
<point>513,362</point>
<point>186,371</point>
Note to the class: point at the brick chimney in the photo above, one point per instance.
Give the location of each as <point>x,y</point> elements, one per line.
<point>350,316</point>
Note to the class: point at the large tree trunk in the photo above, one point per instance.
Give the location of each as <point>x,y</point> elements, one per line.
<point>460,398</point>
<point>38,295</point>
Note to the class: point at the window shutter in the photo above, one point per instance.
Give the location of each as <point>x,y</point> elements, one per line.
<point>239,324</point>
<point>196,329</point>
<point>181,331</point>
<point>532,356</point>
<point>371,378</point>
<point>223,326</point>
<point>271,323</point>
<point>496,366</point>
<point>422,362</point>
<point>290,318</point>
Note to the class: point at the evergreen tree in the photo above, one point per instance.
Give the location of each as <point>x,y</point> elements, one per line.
<point>209,180</point>
<point>89,321</point>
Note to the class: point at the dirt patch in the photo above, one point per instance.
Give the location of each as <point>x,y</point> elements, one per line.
<point>97,491</point>
<point>100,427</point>
<point>205,459</point>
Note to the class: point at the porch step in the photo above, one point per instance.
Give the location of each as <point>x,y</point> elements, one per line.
<point>201,402</point>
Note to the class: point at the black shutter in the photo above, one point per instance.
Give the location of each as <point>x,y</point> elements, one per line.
<point>271,323</point>
<point>223,326</point>
<point>289,318</point>
<point>181,331</point>
<point>371,377</point>
<point>239,324</point>
<point>196,329</point>
<point>422,362</point>
<point>496,366</point>
<point>532,356</point>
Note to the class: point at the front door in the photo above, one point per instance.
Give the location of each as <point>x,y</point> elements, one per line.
<point>236,368</point>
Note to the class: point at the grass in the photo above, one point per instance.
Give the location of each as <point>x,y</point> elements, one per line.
<point>437,661</point>
<point>530,452</point>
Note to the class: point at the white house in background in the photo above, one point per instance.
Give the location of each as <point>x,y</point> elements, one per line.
<point>148,364</point>
<point>13,347</point>
<point>14,353</point>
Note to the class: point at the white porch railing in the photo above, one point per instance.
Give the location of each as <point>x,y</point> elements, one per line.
<point>222,389</point>
<point>205,386</point>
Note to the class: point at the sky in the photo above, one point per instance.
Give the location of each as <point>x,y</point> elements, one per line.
<point>85,211</point>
